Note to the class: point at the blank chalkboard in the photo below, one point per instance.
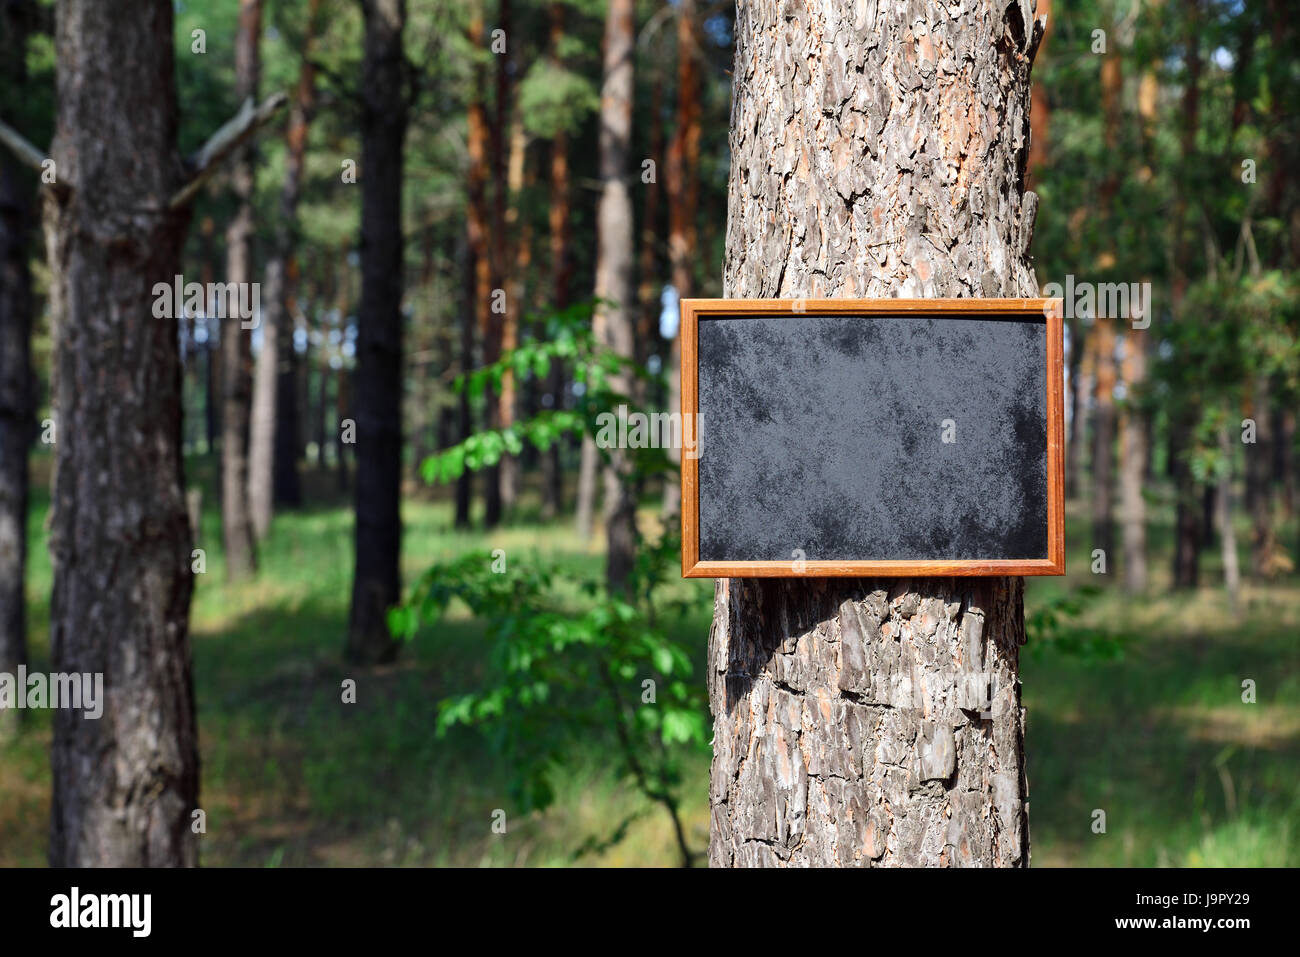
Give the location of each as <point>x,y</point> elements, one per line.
<point>872,437</point>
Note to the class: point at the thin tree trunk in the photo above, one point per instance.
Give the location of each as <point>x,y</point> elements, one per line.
<point>478,216</point>
<point>521,239</point>
<point>464,414</point>
<point>1078,408</point>
<point>1259,479</point>
<point>873,721</point>
<point>614,319</point>
<point>683,191</point>
<point>377,584</point>
<point>1133,463</point>
<point>212,377</point>
<point>16,378</point>
<point>1223,518</point>
<point>273,449</point>
<point>552,463</point>
<point>1187,537</point>
<point>1103,440</point>
<point>124,786</point>
<point>236,341</point>
<point>588,466</point>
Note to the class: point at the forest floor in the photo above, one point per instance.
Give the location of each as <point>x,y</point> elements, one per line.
<point>1157,738</point>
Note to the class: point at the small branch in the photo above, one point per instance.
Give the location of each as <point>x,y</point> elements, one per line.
<point>234,133</point>
<point>24,150</point>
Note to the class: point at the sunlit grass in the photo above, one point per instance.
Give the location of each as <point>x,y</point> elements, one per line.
<point>1159,740</point>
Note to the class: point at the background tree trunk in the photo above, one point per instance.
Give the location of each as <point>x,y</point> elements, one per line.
<point>1259,480</point>
<point>124,785</point>
<point>16,378</point>
<point>1187,533</point>
<point>509,145</point>
<point>1103,440</point>
<point>1133,463</point>
<point>236,342</point>
<point>1223,519</point>
<point>863,721</point>
<point>477,215</point>
<point>377,584</point>
<point>273,449</point>
<point>683,192</point>
<point>561,268</point>
<point>614,260</point>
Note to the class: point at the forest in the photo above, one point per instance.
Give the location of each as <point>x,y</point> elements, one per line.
<point>312,312</point>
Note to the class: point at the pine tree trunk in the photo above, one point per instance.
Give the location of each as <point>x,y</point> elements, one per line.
<point>1103,441</point>
<point>614,261</point>
<point>1078,408</point>
<point>236,342</point>
<point>1223,519</point>
<point>683,165</point>
<point>124,786</point>
<point>1259,481</point>
<point>273,448</point>
<point>558,223</point>
<point>478,218</point>
<point>17,189</point>
<point>873,722</point>
<point>464,414</point>
<point>1133,463</point>
<point>377,584</point>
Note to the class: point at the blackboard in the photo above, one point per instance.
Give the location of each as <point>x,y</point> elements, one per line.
<point>872,437</point>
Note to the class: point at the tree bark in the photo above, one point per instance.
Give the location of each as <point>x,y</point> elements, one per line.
<point>614,319</point>
<point>124,786</point>
<point>859,721</point>
<point>236,342</point>
<point>16,378</point>
<point>377,584</point>
<point>273,449</point>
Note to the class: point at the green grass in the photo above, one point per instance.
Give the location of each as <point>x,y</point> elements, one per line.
<point>1159,740</point>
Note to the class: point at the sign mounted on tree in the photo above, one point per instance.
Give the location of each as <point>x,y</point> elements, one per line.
<point>872,437</point>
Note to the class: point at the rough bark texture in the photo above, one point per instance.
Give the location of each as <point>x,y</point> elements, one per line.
<point>377,583</point>
<point>614,260</point>
<point>124,786</point>
<point>876,151</point>
<point>236,342</point>
<point>17,189</point>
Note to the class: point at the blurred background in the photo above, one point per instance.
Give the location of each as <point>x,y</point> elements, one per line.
<point>1161,675</point>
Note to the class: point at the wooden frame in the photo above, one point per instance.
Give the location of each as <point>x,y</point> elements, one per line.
<point>1048,309</point>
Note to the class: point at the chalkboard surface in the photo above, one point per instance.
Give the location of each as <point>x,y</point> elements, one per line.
<point>907,442</point>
